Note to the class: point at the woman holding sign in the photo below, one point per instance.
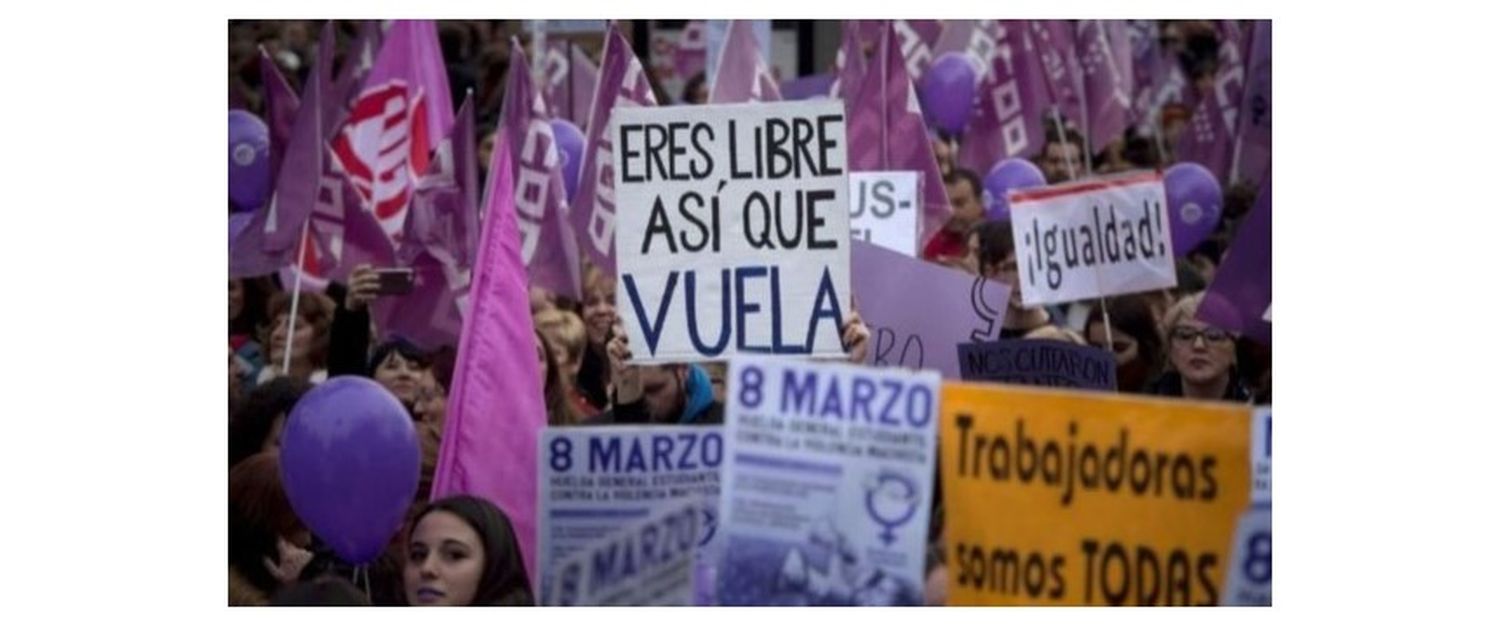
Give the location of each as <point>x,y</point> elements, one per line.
<point>1200,358</point>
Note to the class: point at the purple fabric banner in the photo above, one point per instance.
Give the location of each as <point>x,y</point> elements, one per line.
<point>887,132</point>
<point>1012,104</point>
<point>918,311</point>
<point>445,207</point>
<point>358,60</point>
<point>742,74</point>
<point>915,39</point>
<point>849,65</point>
<point>1206,140</point>
<point>1240,297</point>
<point>1108,79</point>
<point>622,83</point>
<point>690,55</point>
<point>1255,109</point>
<point>276,229</point>
<point>547,243</point>
<point>1054,44</point>
<point>495,408</point>
<point>808,87</point>
<point>281,104</point>
<point>1159,80</point>
<point>571,78</point>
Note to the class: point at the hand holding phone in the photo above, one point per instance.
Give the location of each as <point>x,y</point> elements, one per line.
<point>395,281</point>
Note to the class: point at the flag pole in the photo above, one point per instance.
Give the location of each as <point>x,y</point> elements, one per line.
<point>291,328</point>
<point>1109,337</point>
<point>1063,137</point>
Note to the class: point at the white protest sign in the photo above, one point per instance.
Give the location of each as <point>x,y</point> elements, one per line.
<point>645,563</point>
<point>733,230</point>
<point>883,209</point>
<point>595,480</point>
<point>828,484</point>
<point>1092,239</point>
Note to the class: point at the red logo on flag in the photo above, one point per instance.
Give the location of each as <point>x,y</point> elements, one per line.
<point>383,147</point>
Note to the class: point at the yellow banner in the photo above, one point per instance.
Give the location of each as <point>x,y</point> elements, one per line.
<point>1083,498</point>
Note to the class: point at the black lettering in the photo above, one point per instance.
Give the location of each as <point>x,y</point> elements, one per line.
<point>702,228</point>
<point>1088,467</point>
<point>802,134</point>
<point>1051,470</point>
<point>1115,595</point>
<point>1115,459</point>
<point>658,225</point>
<point>1146,565</point>
<point>1206,565</point>
<point>1182,477</point>
<point>1054,271</point>
<point>762,239</point>
<point>827,144</point>
<point>815,222</point>
<point>1024,470</point>
<point>1178,571</point>
<point>1057,578</point>
<point>964,422</point>
<point>734,157</point>
<point>787,243</point>
<point>1210,484</point>
<point>1000,459</point>
<point>777,133</point>
<point>1140,472</point>
<point>1035,584</point>
<point>626,154</point>
<point>1159,476</point>
<point>1090,548</point>
<point>674,150</point>
<point>1111,242</point>
<point>656,144</point>
<point>707,157</point>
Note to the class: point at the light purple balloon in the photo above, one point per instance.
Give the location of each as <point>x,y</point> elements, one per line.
<point>947,92</point>
<point>350,464</point>
<point>249,160</point>
<point>1195,203</point>
<point>1006,176</point>
<point>570,142</point>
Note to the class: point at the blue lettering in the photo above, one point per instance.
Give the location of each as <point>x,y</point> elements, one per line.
<point>890,402</point>
<point>637,460</point>
<point>745,308</point>
<point>648,546</point>
<point>605,571</point>
<point>831,311</point>
<point>661,453</point>
<point>692,316</point>
<point>864,391</point>
<point>604,455</point>
<point>713,441</point>
<point>776,346</point>
<point>652,330</point>
<point>685,462</point>
<point>831,403</point>
<point>914,416</point>
<point>803,398</point>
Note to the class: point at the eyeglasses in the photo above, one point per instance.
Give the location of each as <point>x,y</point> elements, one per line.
<point>1186,335</point>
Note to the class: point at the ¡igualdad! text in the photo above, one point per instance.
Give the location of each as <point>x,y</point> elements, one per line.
<point>1104,242</point>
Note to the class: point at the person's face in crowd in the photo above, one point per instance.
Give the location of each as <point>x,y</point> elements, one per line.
<point>1009,273</point>
<point>541,300</point>
<point>444,561</point>
<point>943,152</point>
<point>486,150</point>
<point>400,376</point>
<point>432,401</point>
<point>1125,348</point>
<point>966,209</point>
<point>1201,353</point>
<point>301,343</point>
<point>662,389</point>
<point>236,298</point>
<point>599,310</point>
<point>1055,159</point>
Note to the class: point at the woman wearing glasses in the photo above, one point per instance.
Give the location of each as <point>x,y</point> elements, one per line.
<point>1200,358</point>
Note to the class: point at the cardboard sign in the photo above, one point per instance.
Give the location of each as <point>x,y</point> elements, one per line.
<point>733,230</point>
<point>1038,362</point>
<point>595,480</point>
<point>883,209</point>
<point>1078,498</point>
<point>828,484</point>
<point>1092,239</point>
<point>646,563</point>
<point>917,310</point>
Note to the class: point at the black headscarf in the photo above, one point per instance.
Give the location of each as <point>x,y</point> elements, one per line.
<point>504,582</point>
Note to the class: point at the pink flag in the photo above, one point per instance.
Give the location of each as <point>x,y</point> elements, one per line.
<point>404,104</point>
<point>742,75</point>
<point>571,77</point>
<point>547,242</point>
<point>1012,104</point>
<point>886,131</point>
<point>849,66</point>
<point>622,83</point>
<point>1107,79</point>
<point>495,409</point>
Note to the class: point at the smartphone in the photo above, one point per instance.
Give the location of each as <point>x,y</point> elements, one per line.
<point>395,281</point>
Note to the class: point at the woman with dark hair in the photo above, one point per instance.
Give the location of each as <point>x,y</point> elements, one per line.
<point>399,366</point>
<point>1137,341</point>
<point>265,536</point>
<point>463,551</point>
<point>256,424</point>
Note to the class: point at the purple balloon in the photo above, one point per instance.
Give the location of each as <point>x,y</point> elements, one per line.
<point>947,92</point>
<point>1194,205</point>
<point>350,464</point>
<point>249,160</point>
<point>570,148</point>
<point>1006,176</point>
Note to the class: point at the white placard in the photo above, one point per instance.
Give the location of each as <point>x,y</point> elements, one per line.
<point>883,209</point>
<point>648,562</point>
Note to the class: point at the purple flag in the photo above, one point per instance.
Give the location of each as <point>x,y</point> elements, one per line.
<point>1054,45</point>
<point>1254,158</point>
<point>281,104</point>
<point>345,230</point>
<point>495,408</point>
<point>1209,137</point>
<point>547,242</point>
<point>1240,297</point>
<point>742,75</point>
<point>887,132</point>
<point>358,60</point>
<point>1159,79</point>
<point>915,39</point>
<point>571,77</point>
<point>894,294</point>
<point>431,315</point>
<point>849,66</point>
<point>297,179</point>
<point>690,54</point>
<point>808,87</point>
<point>1012,104</point>
<point>403,106</point>
<point>445,207</point>
<point>1107,69</point>
<point>622,83</point>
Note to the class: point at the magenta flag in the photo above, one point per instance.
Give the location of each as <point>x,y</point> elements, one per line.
<point>1054,44</point>
<point>887,132</point>
<point>1210,135</point>
<point>742,75</point>
<point>1012,104</point>
<point>849,65</point>
<point>1254,160</point>
<point>622,83</point>
<point>281,104</point>
<point>495,409</point>
<point>402,108</point>
<point>1108,79</point>
<point>344,230</point>
<point>279,226</point>
<point>571,77</point>
<point>547,243</point>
